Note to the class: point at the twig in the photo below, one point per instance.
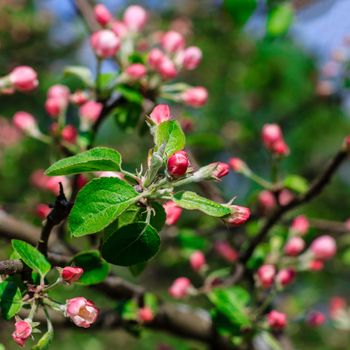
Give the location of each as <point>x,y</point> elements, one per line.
<point>59,212</point>
<point>315,189</point>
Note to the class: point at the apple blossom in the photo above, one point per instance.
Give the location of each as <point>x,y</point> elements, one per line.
<point>71,274</point>
<point>294,246</point>
<point>81,311</point>
<point>173,212</point>
<point>24,78</point>
<point>180,287</point>
<point>178,163</point>
<point>195,97</point>
<point>160,113</point>
<point>23,331</point>
<point>266,275</point>
<point>102,14</point>
<point>135,17</point>
<point>323,247</point>
<point>239,215</point>
<point>276,320</point>
<point>197,260</point>
<point>105,43</point>
<point>191,57</point>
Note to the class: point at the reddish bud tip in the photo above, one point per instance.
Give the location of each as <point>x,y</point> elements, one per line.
<point>178,163</point>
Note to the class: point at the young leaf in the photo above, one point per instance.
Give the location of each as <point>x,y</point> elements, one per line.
<point>171,134</point>
<point>31,257</point>
<point>132,244</point>
<point>96,159</point>
<point>98,204</point>
<point>192,201</point>
<point>95,268</point>
<point>10,298</point>
<point>280,19</point>
<point>232,303</point>
<point>45,341</point>
<point>296,183</point>
<point>82,73</point>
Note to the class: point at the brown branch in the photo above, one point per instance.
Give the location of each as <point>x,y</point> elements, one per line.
<point>333,227</point>
<point>84,8</point>
<point>315,189</point>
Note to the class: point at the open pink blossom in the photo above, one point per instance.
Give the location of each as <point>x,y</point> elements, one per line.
<point>82,312</point>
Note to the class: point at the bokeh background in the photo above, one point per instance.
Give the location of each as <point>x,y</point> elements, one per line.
<point>299,80</point>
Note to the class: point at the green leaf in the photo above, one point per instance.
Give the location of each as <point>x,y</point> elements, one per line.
<point>132,244</point>
<point>171,134</point>
<point>98,204</point>
<point>232,303</point>
<point>296,183</point>
<point>130,93</point>
<point>127,114</point>
<point>96,159</point>
<point>82,73</point>
<point>10,298</point>
<point>271,341</point>
<point>192,201</point>
<point>95,268</point>
<point>280,19</point>
<point>45,341</point>
<point>128,310</point>
<point>31,257</point>
<point>240,10</point>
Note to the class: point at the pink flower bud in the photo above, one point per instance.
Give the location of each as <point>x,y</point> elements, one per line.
<point>166,68</point>
<point>53,184</point>
<point>82,312</point>
<point>71,274</point>
<point>119,28</point>
<point>102,14</point>
<point>25,122</point>
<point>300,225</point>
<point>323,247</point>
<point>271,133</point>
<point>82,181</point>
<point>59,91</point>
<point>180,288</point>
<point>55,105</point>
<point>285,197</point>
<point>316,319</point>
<point>239,215</point>
<point>192,57</point>
<point>155,58</point>
<point>135,17</point>
<point>24,78</point>
<point>277,320</point>
<point>145,314</point>
<point>266,275</point>
<point>39,179</point>
<point>286,276</point>
<point>160,114</point>
<point>42,210</point>
<point>69,134</point>
<point>79,98</point>
<point>294,246</point>
<point>225,251</point>
<point>237,164</point>
<point>273,139</point>
<point>195,97</point>
<point>105,43</point>
<point>136,71</point>
<point>178,163</point>
<point>316,265</point>
<point>172,41</point>
<point>90,111</point>
<point>197,260</point>
<point>173,212</point>
<point>336,305</point>
<point>23,331</point>
<point>267,200</point>
<point>221,170</point>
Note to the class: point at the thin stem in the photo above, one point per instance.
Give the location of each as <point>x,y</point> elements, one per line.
<point>98,77</point>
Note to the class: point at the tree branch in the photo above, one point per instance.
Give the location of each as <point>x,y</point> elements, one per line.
<point>314,190</point>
